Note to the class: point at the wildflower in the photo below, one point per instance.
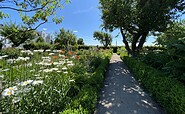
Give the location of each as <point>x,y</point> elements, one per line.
<point>16,99</point>
<point>10,61</point>
<point>37,82</point>
<point>70,52</point>
<point>51,53</point>
<point>77,57</point>
<point>64,68</point>
<point>4,56</point>
<point>55,57</point>
<point>25,83</point>
<point>47,70</point>
<point>46,58</point>
<point>71,64</point>
<point>5,70</point>
<point>62,51</point>
<point>2,76</point>
<point>65,72</point>
<point>56,63</point>
<point>48,50</point>
<point>54,69</point>
<point>9,91</point>
<point>71,80</point>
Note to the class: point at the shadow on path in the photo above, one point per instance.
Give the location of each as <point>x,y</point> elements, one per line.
<point>121,93</point>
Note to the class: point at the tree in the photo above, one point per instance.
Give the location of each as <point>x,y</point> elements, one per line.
<point>16,35</point>
<point>34,12</point>
<point>138,18</point>
<point>40,39</point>
<point>174,32</point>
<point>80,41</point>
<point>104,38</point>
<point>65,38</point>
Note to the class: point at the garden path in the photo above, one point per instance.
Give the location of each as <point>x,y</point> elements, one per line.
<point>122,94</point>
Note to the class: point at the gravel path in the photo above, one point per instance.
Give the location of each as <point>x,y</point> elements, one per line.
<point>122,94</point>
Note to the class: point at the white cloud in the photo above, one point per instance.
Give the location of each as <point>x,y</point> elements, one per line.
<point>75,31</point>
<point>83,10</point>
<point>44,28</point>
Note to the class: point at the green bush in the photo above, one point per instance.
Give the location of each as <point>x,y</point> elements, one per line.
<point>169,93</point>
<point>85,101</point>
<point>11,52</point>
<point>37,45</point>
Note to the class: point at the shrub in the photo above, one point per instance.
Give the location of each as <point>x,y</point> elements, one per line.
<point>168,92</point>
<point>85,101</point>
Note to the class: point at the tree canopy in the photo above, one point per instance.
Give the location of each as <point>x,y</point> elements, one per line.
<point>138,18</point>
<point>104,38</point>
<point>173,33</point>
<point>80,41</point>
<point>34,12</point>
<point>65,38</point>
<point>15,33</point>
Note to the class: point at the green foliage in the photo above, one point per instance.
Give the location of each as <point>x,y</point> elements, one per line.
<point>11,52</point>
<point>169,93</point>
<point>104,38</point>
<point>40,39</point>
<point>17,34</point>
<point>80,41</point>
<point>171,61</point>
<point>136,18</point>
<point>85,101</point>
<point>37,45</point>
<point>64,39</point>
<point>175,31</point>
<point>41,11</point>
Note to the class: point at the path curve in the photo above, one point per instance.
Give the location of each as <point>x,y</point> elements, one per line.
<point>122,94</point>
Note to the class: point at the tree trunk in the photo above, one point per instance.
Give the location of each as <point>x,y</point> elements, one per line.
<point>142,41</point>
<point>134,42</point>
<point>125,41</point>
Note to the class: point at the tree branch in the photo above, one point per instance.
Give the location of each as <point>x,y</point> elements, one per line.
<point>125,41</point>
<point>22,10</point>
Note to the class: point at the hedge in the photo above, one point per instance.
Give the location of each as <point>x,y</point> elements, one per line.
<point>85,101</point>
<point>169,93</point>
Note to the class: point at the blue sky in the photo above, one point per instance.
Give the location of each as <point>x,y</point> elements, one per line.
<point>80,16</point>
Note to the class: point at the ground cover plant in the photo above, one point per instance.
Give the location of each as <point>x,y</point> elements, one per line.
<point>47,81</point>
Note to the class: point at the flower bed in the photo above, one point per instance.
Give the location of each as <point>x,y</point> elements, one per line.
<point>45,82</point>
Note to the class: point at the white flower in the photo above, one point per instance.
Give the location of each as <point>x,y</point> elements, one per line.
<point>56,63</point>
<point>4,56</point>
<point>61,55</point>
<point>2,76</point>
<point>47,70</point>
<point>5,70</point>
<point>10,61</point>
<point>16,99</point>
<point>58,71</point>
<point>9,91</point>
<point>54,69</point>
<point>46,58</point>
<point>71,64</point>
<point>51,53</point>
<point>37,82</point>
<point>25,83</point>
<point>48,50</point>
<point>64,68</point>
<point>65,72</point>
<point>71,80</point>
